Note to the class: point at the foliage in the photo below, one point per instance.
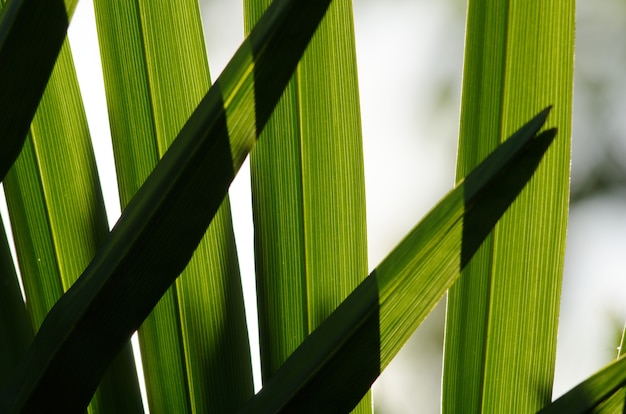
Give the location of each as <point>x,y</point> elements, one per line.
<point>327,328</point>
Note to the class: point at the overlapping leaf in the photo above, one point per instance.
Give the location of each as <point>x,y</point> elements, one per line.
<point>308,192</point>
<point>27,57</point>
<point>337,364</point>
<point>502,316</point>
<point>162,225</point>
<point>592,392</point>
<point>602,393</point>
<point>616,403</point>
<point>194,345</point>
<point>16,333</point>
<point>58,217</point>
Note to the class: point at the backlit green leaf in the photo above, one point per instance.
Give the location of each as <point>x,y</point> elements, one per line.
<point>58,217</point>
<point>502,315</point>
<point>164,222</point>
<point>335,366</point>
<point>194,345</point>
<point>27,57</point>
<point>308,192</point>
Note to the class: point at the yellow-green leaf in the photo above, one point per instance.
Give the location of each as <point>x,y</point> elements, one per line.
<point>26,61</point>
<point>335,366</point>
<point>589,394</point>
<point>58,217</point>
<point>308,192</point>
<point>194,345</point>
<point>502,315</point>
<point>166,219</point>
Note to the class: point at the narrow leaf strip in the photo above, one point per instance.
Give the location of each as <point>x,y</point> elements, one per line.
<point>336,365</point>
<point>194,345</point>
<point>308,192</point>
<point>163,224</point>
<point>16,332</point>
<point>502,318</point>
<point>615,403</point>
<point>592,392</point>
<point>58,217</point>
<point>276,179</point>
<point>27,56</point>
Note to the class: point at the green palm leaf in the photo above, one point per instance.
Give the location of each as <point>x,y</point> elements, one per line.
<point>337,364</point>
<point>308,192</point>
<point>615,403</point>
<point>502,316</point>
<point>162,225</point>
<point>593,391</point>
<point>58,216</point>
<point>603,392</point>
<point>194,345</point>
<point>26,61</point>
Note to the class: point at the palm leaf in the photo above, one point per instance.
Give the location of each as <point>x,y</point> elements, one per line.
<point>26,61</point>
<point>162,225</point>
<point>615,403</point>
<point>502,317</point>
<point>593,391</point>
<point>194,344</point>
<point>308,192</point>
<point>335,366</point>
<point>16,333</point>
<point>58,216</point>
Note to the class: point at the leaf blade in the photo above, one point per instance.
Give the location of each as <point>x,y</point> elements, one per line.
<point>591,392</point>
<point>161,226</point>
<point>194,344</point>
<point>500,338</point>
<point>26,62</point>
<point>309,192</point>
<point>16,333</point>
<point>336,365</point>
<point>58,216</point>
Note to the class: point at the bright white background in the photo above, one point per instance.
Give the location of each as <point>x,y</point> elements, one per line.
<point>410,56</point>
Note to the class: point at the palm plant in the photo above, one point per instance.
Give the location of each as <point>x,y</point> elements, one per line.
<point>169,265</point>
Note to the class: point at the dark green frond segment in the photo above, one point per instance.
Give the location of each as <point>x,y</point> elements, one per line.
<point>164,222</point>
<point>592,392</point>
<point>194,344</point>
<point>308,192</point>
<point>26,61</point>
<point>16,332</point>
<point>503,313</point>
<point>58,217</point>
<point>276,179</point>
<point>338,362</point>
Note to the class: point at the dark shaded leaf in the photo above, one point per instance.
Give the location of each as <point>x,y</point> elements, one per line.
<point>161,227</point>
<point>592,392</point>
<point>338,362</point>
<point>27,56</point>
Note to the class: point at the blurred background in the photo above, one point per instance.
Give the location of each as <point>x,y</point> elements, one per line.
<point>410,57</point>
